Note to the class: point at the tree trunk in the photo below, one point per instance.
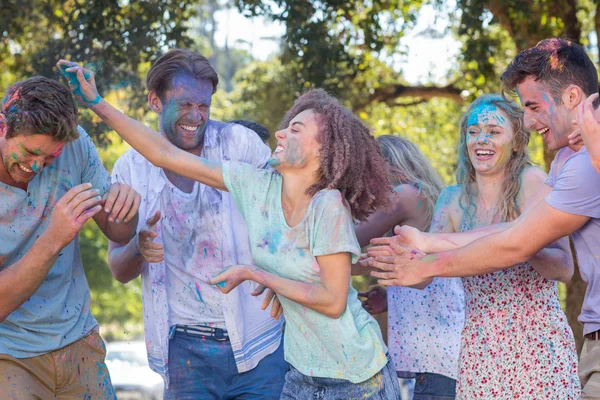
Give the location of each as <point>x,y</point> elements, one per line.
<point>575,294</point>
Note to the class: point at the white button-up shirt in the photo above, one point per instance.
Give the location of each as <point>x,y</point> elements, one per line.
<point>252,332</point>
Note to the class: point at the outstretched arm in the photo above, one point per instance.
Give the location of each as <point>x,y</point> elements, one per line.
<point>152,145</point>
<point>519,243</point>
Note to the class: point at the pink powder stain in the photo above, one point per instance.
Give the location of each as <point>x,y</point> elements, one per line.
<point>208,248</point>
<point>12,99</point>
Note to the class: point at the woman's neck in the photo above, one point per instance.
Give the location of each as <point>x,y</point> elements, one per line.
<point>489,189</point>
<point>294,199</point>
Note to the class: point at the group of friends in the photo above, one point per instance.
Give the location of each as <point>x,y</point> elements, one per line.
<point>228,236</point>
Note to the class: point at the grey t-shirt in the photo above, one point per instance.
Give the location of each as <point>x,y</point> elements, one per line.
<point>576,190</point>
<point>58,313</point>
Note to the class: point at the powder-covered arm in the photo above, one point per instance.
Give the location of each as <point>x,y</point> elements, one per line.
<point>328,297</point>
<point>152,145</point>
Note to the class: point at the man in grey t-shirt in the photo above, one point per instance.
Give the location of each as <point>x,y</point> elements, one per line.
<point>51,182</point>
<point>551,79</point>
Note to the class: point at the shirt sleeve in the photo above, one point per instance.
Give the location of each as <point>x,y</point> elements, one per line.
<point>248,186</point>
<point>577,188</point>
<point>121,172</point>
<point>333,227</point>
<point>92,169</point>
<point>246,146</point>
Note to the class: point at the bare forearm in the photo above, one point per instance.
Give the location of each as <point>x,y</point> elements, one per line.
<point>489,254</point>
<point>439,242</point>
<point>20,281</point>
<point>312,295</point>
<point>555,262</point>
<point>126,262</point>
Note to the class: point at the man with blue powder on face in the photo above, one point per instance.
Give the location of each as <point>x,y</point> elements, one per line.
<point>553,80</point>
<point>51,182</point>
<point>205,344</point>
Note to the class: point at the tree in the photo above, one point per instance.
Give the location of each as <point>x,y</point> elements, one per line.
<point>116,39</point>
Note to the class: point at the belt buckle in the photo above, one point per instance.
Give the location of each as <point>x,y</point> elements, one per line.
<point>219,335</point>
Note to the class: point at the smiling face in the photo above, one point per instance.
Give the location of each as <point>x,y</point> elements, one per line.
<point>297,145</point>
<point>545,115</point>
<point>184,110</point>
<point>489,139</point>
<point>24,156</point>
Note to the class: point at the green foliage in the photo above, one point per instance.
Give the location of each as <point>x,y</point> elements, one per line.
<point>115,38</point>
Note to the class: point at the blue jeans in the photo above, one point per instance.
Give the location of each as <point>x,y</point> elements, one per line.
<point>382,386</point>
<point>204,368</point>
<point>429,386</point>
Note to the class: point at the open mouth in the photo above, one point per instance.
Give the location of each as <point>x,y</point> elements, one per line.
<point>25,169</point>
<point>189,128</point>
<point>484,154</point>
<point>543,131</point>
<point>278,149</point>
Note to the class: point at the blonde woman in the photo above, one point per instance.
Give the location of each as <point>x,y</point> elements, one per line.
<point>423,325</point>
<point>516,343</point>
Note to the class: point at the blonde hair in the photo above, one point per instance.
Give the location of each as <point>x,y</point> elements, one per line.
<point>408,165</point>
<point>508,209</point>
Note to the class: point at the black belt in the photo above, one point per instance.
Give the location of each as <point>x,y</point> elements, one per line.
<point>201,331</point>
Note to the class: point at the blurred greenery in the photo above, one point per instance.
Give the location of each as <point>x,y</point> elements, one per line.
<point>354,49</point>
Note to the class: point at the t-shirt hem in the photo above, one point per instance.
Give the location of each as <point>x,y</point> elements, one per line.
<point>589,327</point>
<point>334,375</point>
<point>25,354</point>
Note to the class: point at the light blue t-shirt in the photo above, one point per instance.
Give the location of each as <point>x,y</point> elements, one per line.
<point>349,347</point>
<point>58,313</point>
<point>576,190</point>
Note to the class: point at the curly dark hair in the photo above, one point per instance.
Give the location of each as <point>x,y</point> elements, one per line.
<point>556,63</point>
<point>350,159</point>
<point>40,105</point>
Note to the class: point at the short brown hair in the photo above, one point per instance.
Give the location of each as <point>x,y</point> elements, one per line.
<point>179,61</point>
<point>556,63</point>
<point>40,105</point>
<point>350,159</point>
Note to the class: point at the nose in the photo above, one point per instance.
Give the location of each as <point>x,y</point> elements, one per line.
<point>528,120</point>
<point>280,134</point>
<point>194,114</point>
<point>38,164</point>
<point>482,138</point>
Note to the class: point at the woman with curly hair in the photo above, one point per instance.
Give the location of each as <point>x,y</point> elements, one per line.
<point>516,342</point>
<point>328,171</point>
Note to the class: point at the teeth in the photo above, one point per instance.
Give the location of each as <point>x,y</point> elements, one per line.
<point>24,168</point>
<point>542,131</point>
<point>278,149</point>
<point>484,152</point>
<point>190,128</point>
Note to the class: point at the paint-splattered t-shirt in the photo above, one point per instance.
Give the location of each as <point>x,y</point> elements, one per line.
<point>576,190</point>
<point>349,347</point>
<point>58,313</point>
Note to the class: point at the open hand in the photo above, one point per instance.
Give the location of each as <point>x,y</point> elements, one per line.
<point>73,209</point>
<point>121,202</point>
<point>404,268</point>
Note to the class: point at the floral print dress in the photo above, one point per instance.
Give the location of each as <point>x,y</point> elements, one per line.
<point>516,343</point>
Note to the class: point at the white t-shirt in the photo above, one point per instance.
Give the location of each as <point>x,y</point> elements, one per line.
<point>193,254</point>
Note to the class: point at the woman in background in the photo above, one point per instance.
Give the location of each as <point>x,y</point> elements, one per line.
<point>423,325</point>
